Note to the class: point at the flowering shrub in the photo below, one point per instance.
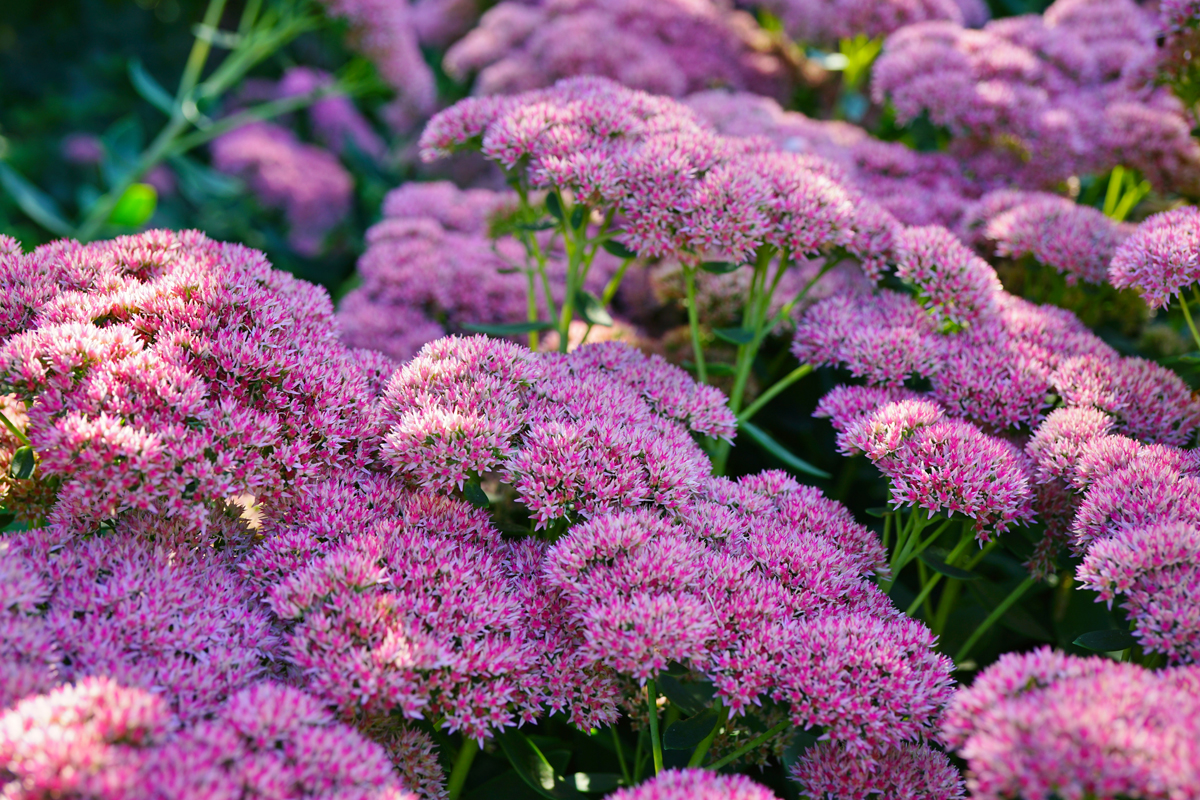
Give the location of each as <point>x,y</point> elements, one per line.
<point>510,520</point>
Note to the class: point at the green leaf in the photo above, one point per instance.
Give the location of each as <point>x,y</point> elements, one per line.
<point>1016,619</point>
<point>6,519</point>
<point>779,451</point>
<point>738,336</point>
<point>533,767</point>
<point>475,495</point>
<point>515,329</point>
<point>40,207</point>
<point>541,225</point>
<point>687,733</point>
<point>577,215</point>
<point>614,248</point>
<point>508,785</point>
<point>200,183</point>
<point>554,206</point>
<point>716,369</point>
<point>135,207</point>
<point>592,309</point>
<point>938,565</point>
<point>1106,641</point>
<point>719,267</point>
<point>879,512</point>
<point>598,782</point>
<point>23,463</point>
<point>692,698</point>
<point>149,89</point>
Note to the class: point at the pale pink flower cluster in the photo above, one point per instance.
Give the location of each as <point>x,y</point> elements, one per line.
<point>910,771</point>
<point>695,784</point>
<point>99,739</point>
<point>1076,240</point>
<point>1161,258</point>
<point>169,373</point>
<point>1043,724</point>
<point>431,266</point>
<point>386,32</point>
<point>668,47</point>
<point>603,428</point>
<point>309,183</point>
<point>760,588</point>
<point>679,188</point>
<point>916,188</point>
<point>153,616</point>
<point>1041,98</point>
<point>826,22</point>
<point>335,122</point>
<point>1003,372</point>
<point>451,645</point>
<point>941,464</point>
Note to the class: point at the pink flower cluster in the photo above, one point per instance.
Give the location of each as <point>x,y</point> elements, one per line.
<point>826,772</point>
<point>335,121</point>
<point>99,739</point>
<point>1045,724</point>
<point>1161,257</point>
<point>687,784</point>
<point>169,373</point>
<point>386,31</point>
<point>828,21</point>
<point>152,616</point>
<point>431,266</point>
<point>668,47</point>
<point>759,588</point>
<point>917,188</point>
<point>681,189</point>
<point>604,428</point>
<point>311,186</point>
<point>1041,98</point>
<point>1076,240</point>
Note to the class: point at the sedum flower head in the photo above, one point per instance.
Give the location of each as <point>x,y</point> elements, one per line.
<point>1161,257</point>
<point>825,771</point>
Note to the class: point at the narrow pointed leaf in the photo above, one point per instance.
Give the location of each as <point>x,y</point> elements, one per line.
<point>779,451</point>
<point>592,309</point>
<point>614,248</point>
<point>149,89</point>
<point>716,369</point>
<point>40,207</point>
<point>687,733</point>
<point>1106,641</point>
<point>719,267</point>
<point>515,329</point>
<point>533,767</point>
<point>554,206</point>
<point>692,698</point>
<point>577,216</point>
<point>737,336</point>
<point>938,565</point>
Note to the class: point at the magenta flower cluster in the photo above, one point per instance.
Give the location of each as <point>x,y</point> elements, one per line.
<point>1045,724</point>
<point>171,374</point>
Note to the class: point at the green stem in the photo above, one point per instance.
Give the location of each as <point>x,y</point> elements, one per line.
<point>746,748</point>
<point>689,280</point>
<point>639,756</point>
<point>462,765</point>
<point>937,576</point>
<point>13,429</point>
<point>256,114</point>
<point>996,614</point>
<point>702,749</point>
<point>770,394</point>
<point>1187,315</point>
<point>621,756</point>
<point>655,738</point>
<point>610,289</point>
<point>198,57</point>
<point>950,594</point>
